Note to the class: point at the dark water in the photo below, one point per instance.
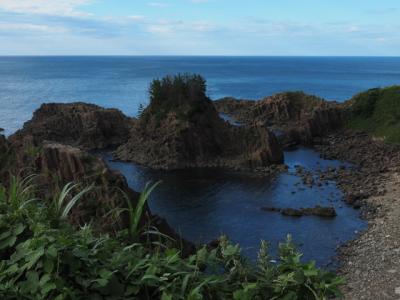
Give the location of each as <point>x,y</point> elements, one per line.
<point>122,82</point>
<point>202,204</point>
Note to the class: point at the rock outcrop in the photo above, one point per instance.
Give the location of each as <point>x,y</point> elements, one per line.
<point>60,164</point>
<point>299,118</point>
<point>184,130</point>
<point>84,125</point>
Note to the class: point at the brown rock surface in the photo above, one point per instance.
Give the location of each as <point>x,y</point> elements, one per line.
<point>78,124</point>
<point>188,132</point>
<point>60,164</point>
<point>298,116</point>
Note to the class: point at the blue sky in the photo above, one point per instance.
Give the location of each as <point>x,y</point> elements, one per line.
<point>199,27</point>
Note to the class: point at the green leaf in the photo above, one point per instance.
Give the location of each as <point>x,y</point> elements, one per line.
<point>8,242</point>
<point>31,284</point>
<point>48,287</point>
<point>166,296</point>
<point>19,228</point>
<point>48,265</point>
<point>52,251</point>
<point>33,258</point>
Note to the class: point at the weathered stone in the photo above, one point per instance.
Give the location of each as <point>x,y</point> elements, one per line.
<point>300,118</point>
<point>199,138</point>
<point>78,124</point>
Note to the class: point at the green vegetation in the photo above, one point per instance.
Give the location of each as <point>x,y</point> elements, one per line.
<point>182,94</point>
<point>377,111</point>
<point>42,256</point>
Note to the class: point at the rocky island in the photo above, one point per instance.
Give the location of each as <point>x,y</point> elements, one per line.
<point>181,129</point>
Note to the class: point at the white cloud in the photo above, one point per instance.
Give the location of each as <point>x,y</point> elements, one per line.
<point>31,27</point>
<point>136,18</point>
<point>175,27</point>
<point>158,4</point>
<point>45,7</point>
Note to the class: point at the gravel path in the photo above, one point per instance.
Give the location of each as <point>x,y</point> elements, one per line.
<point>371,263</point>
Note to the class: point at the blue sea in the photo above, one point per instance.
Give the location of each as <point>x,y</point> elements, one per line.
<point>122,82</point>
<point>203,204</point>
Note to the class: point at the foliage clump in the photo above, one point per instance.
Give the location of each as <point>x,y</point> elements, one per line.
<point>43,258</point>
<point>183,95</point>
<point>377,111</point>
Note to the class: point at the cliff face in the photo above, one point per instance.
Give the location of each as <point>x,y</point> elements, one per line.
<point>186,131</point>
<point>4,156</point>
<point>299,117</point>
<point>78,124</point>
<point>59,164</point>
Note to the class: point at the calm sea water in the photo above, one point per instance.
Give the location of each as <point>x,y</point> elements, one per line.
<point>202,204</point>
<point>122,82</point>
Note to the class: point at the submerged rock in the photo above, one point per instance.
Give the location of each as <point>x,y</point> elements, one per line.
<point>181,128</point>
<point>325,212</point>
<point>87,126</point>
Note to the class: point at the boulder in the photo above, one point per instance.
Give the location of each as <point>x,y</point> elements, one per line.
<point>87,126</point>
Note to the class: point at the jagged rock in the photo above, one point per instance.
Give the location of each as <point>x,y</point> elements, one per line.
<point>185,130</point>
<point>78,124</point>
<point>299,117</point>
<point>60,164</point>
<point>324,212</point>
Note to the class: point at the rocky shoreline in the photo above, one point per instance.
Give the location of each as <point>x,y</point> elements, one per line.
<point>369,263</point>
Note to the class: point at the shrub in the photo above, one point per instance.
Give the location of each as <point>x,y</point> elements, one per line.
<point>42,261</point>
<point>182,94</point>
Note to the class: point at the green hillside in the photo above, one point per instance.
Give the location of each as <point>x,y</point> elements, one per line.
<point>377,111</point>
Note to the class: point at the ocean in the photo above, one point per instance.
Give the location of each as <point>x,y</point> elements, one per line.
<point>122,82</point>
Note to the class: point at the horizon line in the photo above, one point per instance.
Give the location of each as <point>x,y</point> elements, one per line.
<point>189,55</point>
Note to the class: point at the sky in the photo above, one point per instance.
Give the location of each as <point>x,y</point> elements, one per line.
<point>200,27</point>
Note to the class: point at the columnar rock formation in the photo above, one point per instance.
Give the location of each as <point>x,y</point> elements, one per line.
<point>181,128</point>
<point>298,116</point>
<point>59,164</point>
<point>78,124</point>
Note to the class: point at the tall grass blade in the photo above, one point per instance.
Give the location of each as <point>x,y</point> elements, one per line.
<point>73,201</point>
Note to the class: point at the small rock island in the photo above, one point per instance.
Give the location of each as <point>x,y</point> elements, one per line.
<point>181,128</point>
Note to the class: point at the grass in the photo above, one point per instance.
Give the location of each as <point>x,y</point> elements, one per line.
<point>377,111</point>
<point>39,260</point>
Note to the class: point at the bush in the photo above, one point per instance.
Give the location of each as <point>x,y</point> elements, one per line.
<point>43,259</point>
<point>182,94</point>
